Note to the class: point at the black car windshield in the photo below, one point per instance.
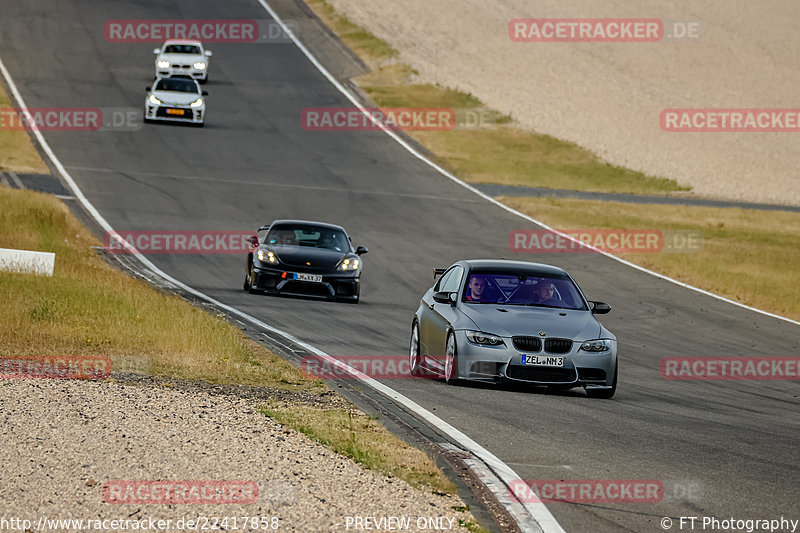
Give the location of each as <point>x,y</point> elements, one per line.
<point>182,49</point>
<point>313,236</point>
<point>533,289</point>
<point>176,85</point>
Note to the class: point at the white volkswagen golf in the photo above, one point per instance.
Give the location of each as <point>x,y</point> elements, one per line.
<point>176,100</point>
<point>182,58</point>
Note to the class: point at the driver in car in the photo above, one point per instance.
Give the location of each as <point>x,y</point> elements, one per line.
<point>284,236</point>
<point>476,289</point>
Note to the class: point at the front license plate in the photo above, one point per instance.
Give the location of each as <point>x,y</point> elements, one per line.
<point>308,277</point>
<point>538,360</point>
<point>175,111</point>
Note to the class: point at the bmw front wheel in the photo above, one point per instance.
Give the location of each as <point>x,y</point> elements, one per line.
<point>451,360</point>
<point>414,359</point>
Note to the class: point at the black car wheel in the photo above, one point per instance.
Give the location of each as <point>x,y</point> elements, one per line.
<point>248,280</point>
<point>414,357</point>
<point>246,285</point>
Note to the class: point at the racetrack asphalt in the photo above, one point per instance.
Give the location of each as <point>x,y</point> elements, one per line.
<point>721,449</point>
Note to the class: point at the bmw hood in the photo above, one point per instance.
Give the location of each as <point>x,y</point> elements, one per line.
<point>170,97</point>
<point>510,320</point>
<point>301,255</point>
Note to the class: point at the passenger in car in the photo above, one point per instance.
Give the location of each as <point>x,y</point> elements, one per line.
<point>545,290</point>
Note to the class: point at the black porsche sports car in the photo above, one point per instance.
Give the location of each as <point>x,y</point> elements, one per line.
<point>304,258</point>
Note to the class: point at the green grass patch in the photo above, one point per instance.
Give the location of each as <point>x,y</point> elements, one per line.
<point>17,153</point>
<point>362,42</point>
<point>90,308</point>
<point>747,255</point>
<point>500,151</point>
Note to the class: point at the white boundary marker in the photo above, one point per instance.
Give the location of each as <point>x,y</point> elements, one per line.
<point>28,262</point>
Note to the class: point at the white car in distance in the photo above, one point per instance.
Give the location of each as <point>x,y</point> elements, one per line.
<point>175,100</point>
<point>182,58</point>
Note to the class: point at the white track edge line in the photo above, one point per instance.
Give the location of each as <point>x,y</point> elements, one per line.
<point>539,512</point>
<point>483,195</point>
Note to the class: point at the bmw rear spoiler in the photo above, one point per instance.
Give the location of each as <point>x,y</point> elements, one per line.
<point>438,272</point>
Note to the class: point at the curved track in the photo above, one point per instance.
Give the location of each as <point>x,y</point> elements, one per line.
<point>732,443</point>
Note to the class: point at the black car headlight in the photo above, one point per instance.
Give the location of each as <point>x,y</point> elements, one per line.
<point>486,339</point>
<point>349,263</point>
<point>267,256</point>
<point>597,345</point>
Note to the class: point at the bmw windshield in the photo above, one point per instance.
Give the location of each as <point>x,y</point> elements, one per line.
<point>182,49</point>
<point>534,289</point>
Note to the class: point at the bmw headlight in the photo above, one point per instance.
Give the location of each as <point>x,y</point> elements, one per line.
<point>597,345</point>
<point>197,103</point>
<point>267,256</point>
<point>200,66</point>
<point>154,100</point>
<point>163,64</point>
<point>479,337</point>
<point>349,263</point>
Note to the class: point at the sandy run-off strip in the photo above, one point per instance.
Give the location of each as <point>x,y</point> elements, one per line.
<point>62,441</point>
<point>608,97</point>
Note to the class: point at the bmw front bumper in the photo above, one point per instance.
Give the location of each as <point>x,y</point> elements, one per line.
<point>578,368</point>
<point>188,72</point>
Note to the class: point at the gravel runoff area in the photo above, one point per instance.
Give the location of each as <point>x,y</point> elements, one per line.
<point>608,97</point>
<point>63,440</point>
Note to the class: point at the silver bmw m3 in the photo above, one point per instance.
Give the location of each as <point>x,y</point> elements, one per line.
<point>513,321</point>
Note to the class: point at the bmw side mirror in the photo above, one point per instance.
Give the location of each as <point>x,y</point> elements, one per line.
<point>444,297</point>
<point>361,250</point>
<point>599,308</point>
<point>205,93</point>
<point>157,51</point>
<point>252,240</point>
<point>208,53</point>
<point>147,89</point>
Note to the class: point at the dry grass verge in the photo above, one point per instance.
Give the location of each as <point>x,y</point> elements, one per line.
<point>17,153</point>
<point>747,255</point>
<point>90,308</point>
<point>499,152</point>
